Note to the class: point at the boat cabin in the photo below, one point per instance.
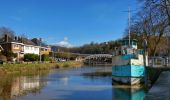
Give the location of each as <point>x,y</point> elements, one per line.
<point>128,49</point>
<point>125,43</point>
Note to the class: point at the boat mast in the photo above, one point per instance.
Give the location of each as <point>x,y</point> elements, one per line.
<point>129,11</point>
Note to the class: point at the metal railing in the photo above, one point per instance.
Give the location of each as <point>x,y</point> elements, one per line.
<point>159,61</point>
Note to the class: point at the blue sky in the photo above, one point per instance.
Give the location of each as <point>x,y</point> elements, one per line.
<point>75,21</point>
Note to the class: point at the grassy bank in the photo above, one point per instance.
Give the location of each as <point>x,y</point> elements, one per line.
<point>22,68</point>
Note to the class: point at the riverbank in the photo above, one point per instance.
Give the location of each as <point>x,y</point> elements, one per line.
<point>160,90</point>
<point>159,78</point>
<point>154,73</point>
<point>34,67</point>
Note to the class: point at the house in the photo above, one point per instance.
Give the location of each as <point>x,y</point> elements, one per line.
<point>31,49</point>
<point>79,58</point>
<point>44,48</point>
<point>21,46</point>
<point>14,45</point>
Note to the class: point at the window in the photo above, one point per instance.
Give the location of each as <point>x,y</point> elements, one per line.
<point>27,47</point>
<point>123,43</point>
<point>16,46</point>
<point>22,48</point>
<point>35,49</point>
<point>134,43</point>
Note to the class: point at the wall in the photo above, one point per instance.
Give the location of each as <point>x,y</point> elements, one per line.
<point>45,50</point>
<point>15,48</point>
<point>31,49</point>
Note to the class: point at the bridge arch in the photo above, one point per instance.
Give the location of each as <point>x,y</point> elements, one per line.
<point>98,59</point>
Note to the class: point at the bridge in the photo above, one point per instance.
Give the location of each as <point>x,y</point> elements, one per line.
<point>98,59</point>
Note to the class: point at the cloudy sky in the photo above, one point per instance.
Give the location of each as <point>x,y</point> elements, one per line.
<point>67,22</point>
<point>64,43</point>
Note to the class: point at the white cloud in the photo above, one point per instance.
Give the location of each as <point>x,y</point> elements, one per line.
<point>64,43</point>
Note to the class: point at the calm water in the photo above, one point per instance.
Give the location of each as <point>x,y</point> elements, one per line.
<point>87,83</point>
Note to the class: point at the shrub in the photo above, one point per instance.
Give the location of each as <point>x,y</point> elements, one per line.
<point>66,65</point>
<point>3,58</point>
<point>45,57</point>
<point>31,57</point>
<point>9,54</point>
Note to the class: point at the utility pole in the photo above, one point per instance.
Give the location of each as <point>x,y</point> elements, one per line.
<point>40,49</point>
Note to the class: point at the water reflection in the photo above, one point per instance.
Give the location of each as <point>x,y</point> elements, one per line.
<point>12,87</point>
<point>71,84</point>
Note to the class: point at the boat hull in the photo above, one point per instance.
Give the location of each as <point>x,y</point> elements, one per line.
<point>128,74</point>
<point>127,80</point>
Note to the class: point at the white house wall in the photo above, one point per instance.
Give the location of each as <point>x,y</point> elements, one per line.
<point>31,49</point>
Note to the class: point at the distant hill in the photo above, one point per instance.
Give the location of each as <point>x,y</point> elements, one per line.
<point>92,48</point>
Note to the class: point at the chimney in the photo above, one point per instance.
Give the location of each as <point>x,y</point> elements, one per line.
<point>21,39</point>
<point>15,38</point>
<point>6,38</point>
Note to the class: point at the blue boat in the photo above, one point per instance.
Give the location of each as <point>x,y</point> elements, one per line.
<point>128,63</point>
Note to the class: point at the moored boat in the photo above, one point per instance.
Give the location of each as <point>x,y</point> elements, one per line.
<point>128,63</point>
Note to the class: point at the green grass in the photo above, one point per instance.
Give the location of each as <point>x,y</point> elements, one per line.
<point>30,67</point>
<point>69,64</point>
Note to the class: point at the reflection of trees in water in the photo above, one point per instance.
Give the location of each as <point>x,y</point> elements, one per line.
<point>14,86</point>
<point>5,87</point>
<point>98,71</point>
<point>99,76</point>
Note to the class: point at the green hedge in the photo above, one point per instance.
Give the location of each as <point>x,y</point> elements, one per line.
<point>31,57</point>
<point>45,57</point>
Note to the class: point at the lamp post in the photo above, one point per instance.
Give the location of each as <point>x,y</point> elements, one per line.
<point>145,44</point>
<point>40,49</point>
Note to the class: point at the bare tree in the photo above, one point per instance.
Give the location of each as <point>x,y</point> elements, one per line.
<point>8,31</point>
<point>152,22</point>
<point>161,6</point>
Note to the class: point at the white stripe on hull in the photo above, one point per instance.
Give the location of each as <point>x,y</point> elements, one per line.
<point>127,80</point>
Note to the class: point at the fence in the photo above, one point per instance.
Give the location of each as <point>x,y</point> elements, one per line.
<point>159,61</point>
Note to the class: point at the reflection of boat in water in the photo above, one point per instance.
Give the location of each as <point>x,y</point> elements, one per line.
<point>128,64</point>
<point>128,93</point>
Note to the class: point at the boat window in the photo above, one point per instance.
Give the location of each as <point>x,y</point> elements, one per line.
<point>134,43</point>
<point>123,42</point>
<point>126,42</point>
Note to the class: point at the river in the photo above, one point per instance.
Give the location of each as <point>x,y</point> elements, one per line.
<point>86,83</point>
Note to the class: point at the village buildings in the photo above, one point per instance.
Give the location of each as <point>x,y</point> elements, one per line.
<point>21,46</point>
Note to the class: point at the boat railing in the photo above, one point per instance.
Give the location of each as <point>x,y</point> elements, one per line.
<point>134,54</point>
